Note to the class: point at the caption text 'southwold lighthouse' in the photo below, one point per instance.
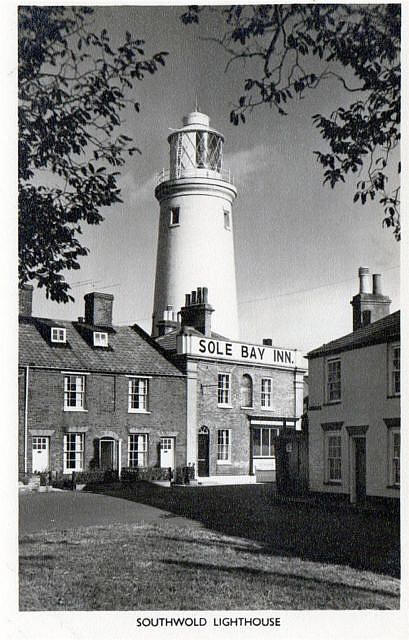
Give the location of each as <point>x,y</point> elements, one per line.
<point>195,242</point>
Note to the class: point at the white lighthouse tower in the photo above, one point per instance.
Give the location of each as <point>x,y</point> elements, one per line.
<point>195,242</point>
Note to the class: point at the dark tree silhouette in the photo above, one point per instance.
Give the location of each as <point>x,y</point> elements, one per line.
<point>292,49</point>
<point>73,84</point>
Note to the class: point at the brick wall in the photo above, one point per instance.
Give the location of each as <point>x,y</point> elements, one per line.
<point>236,418</point>
<point>106,401</point>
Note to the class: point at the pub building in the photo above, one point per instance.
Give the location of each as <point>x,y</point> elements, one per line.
<point>239,396</point>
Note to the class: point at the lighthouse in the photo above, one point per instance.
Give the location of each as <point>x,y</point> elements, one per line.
<point>195,239</point>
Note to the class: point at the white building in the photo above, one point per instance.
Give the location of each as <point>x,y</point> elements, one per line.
<point>354,403</point>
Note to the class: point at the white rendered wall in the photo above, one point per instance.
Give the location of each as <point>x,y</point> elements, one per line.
<point>199,252</point>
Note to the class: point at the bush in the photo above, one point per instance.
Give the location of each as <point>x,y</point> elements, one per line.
<point>136,474</point>
<point>183,475</point>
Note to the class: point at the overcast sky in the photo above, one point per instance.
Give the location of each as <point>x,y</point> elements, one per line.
<point>298,244</point>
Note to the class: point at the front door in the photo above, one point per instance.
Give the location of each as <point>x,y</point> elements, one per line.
<point>360,469</point>
<point>107,454</point>
<point>167,453</point>
<point>203,452</point>
<point>40,454</point>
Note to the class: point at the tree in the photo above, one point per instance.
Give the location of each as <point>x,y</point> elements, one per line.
<point>73,84</point>
<point>292,49</point>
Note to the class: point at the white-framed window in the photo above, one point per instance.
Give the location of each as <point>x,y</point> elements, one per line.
<point>138,392</point>
<point>58,334</point>
<point>246,391</point>
<point>394,370</point>
<point>73,452</point>
<point>333,454</point>
<point>174,218</point>
<point>227,219</point>
<point>138,450</point>
<point>223,389</point>
<point>263,442</point>
<point>100,339</point>
<point>224,445</point>
<point>74,392</point>
<point>266,393</point>
<point>394,457</point>
<point>333,380</point>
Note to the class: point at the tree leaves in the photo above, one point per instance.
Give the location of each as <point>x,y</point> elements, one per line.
<point>72,89</point>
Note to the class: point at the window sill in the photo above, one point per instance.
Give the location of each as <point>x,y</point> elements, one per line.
<point>225,406</point>
<point>75,410</point>
<point>223,463</point>
<point>393,395</point>
<point>332,402</point>
<point>174,225</point>
<point>393,486</point>
<point>333,483</point>
<point>267,408</point>
<point>139,411</point>
<point>246,407</point>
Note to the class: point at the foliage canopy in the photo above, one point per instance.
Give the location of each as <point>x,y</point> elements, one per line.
<point>293,49</point>
<point>73,85</point>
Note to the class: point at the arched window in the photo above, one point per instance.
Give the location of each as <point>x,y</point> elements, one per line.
<point>246,391</point>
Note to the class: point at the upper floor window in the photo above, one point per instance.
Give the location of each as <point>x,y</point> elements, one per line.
<point>223,389</point>
<point>74,392</point>
<point>227,220</point>
<point>138,394</point>
<point>73,452</point>
<point>333,457</point>
<point>246,391</point>
<point>394,370</point>
<point>174,216</point>
<point>266,388</point>
<point>100,339</point>
<point>333,380</point>
<point>58,334</point>
<point>223,445</point>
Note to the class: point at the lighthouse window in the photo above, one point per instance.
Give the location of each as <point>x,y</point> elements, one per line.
<point>227,224</point>
<point>174,216</point>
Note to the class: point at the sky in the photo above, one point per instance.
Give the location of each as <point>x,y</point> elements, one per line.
<point>298,244</point>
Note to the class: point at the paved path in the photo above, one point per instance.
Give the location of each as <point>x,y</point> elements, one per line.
<point>71,509</point>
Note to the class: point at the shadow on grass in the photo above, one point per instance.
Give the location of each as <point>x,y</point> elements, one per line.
<point>288,577</point>
<point>316,532</point>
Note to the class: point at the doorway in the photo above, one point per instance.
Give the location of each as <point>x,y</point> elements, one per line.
<point>203,452</point>
<point>360,469</point>
<point>167,453</point>
<point>41,454</point>
<point>107,453</point>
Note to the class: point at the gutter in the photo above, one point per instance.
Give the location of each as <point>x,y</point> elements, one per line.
<point>27,368</point>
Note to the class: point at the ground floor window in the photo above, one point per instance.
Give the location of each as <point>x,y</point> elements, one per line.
<point>263,442</point>
<point>138,450</point>
<point>73,452</point>
<point>394,464</point>
<point>223,445</point>
<point>333,458</point>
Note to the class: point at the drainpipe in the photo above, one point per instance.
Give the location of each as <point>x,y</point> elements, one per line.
<point>26,418</point>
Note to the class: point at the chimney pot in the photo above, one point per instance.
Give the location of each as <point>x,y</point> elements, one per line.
<point>193,297</point>
<point>187,300</point>
<point>377,284</point>
<point>205,294</point>
<point>364,286</point>
<point>199,295</point>
<point>268,342</point>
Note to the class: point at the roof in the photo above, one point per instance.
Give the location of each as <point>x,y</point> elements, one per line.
<point>384,330</point>
<point>131,350</point>
<point>168,341</point>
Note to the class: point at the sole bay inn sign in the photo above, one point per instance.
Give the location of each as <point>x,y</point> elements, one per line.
<point>239,352</point>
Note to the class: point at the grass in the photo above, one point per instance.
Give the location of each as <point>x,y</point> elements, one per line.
<point>159,567</point>
<point>323,532</point>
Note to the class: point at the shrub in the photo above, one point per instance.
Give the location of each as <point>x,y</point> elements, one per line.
<point>136,474</point>
<point>183,474</point>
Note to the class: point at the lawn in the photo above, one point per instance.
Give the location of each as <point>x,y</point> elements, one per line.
<point>145,567</point>
<point>242,550</point>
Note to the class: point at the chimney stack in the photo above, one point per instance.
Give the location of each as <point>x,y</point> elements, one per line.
<point>369,306</point>
<point>268,342</point>
<point>197,311</point>
<point>25,300</point>
<point>98,309</point>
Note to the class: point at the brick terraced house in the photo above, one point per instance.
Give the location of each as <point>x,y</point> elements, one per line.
<point>93,395</point>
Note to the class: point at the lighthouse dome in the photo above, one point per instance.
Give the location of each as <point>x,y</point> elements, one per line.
<point>196,118</point>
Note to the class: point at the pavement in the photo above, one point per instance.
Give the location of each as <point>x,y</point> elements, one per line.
<point>71,509</point>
